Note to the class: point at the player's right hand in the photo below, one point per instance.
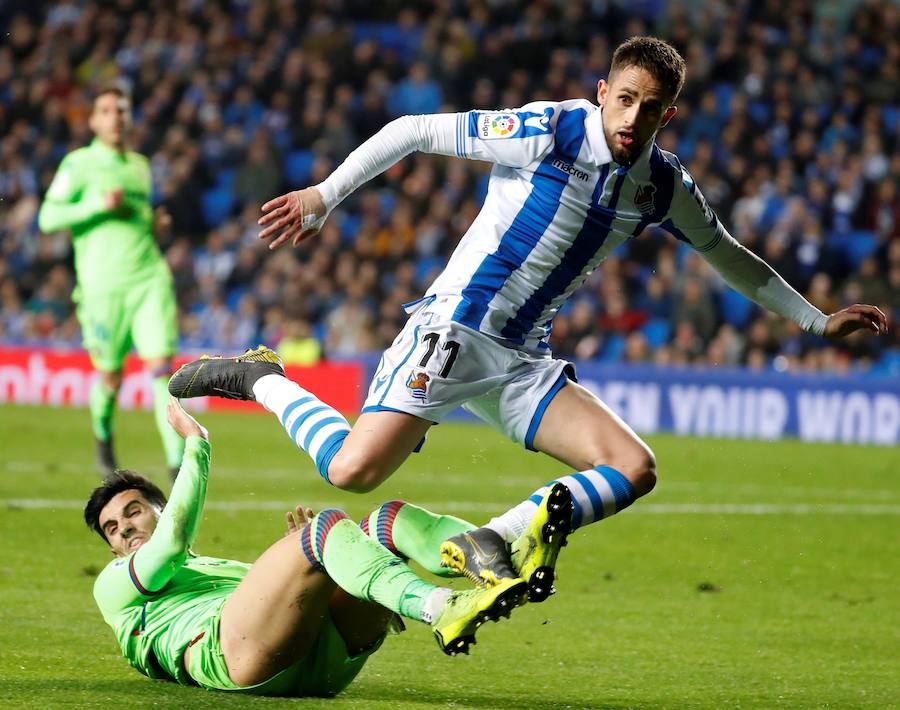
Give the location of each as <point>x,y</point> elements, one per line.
<point>113,199</point>
<point>182,422</point>
<point>296,215</point>
<point>297,519</point>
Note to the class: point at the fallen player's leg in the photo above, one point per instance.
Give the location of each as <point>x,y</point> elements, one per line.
<point>367,570</point>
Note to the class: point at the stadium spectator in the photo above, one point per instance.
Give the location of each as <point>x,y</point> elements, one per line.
<point>789,120</point>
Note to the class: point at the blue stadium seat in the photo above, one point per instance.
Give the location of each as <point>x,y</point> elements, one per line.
<point>887,365</point>
<point>225,178</point>
<point>657,332</point>
<point>216,205</point>
<point>350,223</point>
<point>613,348</point>
<point>234,296</point>
<point>890,116</point>
<point>298,167</point>
<point>426,265</point>
<point>724,93</point>
<point>858,245</point>
<point>735,308</point>
<point>387,201</point>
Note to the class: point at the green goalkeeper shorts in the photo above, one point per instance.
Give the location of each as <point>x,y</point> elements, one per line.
<point>144,315</point>
<point>325,671</point>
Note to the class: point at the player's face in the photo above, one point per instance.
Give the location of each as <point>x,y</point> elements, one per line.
<point>128,521</point>
<point>634,109</point>
<point>111,118</point>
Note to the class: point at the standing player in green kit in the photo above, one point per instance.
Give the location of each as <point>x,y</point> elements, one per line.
<point>124,292</point>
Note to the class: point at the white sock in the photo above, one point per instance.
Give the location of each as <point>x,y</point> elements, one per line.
<point>435,603</point>
<point>514,521</point>
<point>314,426</point>
<point>596,494</point>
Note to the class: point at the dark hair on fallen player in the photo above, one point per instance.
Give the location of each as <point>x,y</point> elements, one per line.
<point>116,482</point>
<point>653,55</point>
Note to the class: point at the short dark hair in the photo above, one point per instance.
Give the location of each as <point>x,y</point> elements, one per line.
<point>110,87</point>
<point>657,57</point>
<point>116,482</point>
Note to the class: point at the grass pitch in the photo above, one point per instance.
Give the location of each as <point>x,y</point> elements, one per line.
<point>757,575</point>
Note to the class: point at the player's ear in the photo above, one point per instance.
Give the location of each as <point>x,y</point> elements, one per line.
<point>602,91</point>
<point>668,115</point>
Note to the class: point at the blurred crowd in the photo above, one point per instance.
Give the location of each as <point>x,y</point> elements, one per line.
<point>789,121</point>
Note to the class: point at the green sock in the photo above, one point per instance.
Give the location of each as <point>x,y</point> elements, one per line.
<point>102,405</point>
<point>172,443</point>
<point>414,533</point>
<point>362,567</point>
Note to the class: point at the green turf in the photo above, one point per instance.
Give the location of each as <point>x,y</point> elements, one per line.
<point>670,605</point>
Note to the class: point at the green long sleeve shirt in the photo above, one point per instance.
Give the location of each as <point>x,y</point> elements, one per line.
<point>156,599</point>
<point>113,249</point>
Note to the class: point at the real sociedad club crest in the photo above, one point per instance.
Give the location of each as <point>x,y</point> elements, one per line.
<point>643,199</point>
<point>417,383</point>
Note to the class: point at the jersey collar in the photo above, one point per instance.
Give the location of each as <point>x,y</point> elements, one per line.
<point>100,147</point>
<point>638,171</point>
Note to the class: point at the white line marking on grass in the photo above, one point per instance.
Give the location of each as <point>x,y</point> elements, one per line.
<point>481,506</point>
<point>450,479</point>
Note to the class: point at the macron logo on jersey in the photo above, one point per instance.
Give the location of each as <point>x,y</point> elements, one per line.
<point>570,169</point>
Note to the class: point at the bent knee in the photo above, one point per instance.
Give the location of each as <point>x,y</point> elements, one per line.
<point>639,467</point>
<point>355,474</point>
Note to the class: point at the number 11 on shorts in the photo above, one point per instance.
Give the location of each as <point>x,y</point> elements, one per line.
<point>451,347</point>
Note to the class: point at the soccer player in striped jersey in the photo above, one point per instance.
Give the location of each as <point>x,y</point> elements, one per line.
<point>226,625</point>
<point>571,181</point>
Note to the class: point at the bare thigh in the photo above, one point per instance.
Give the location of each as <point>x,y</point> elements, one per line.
<point>360,623</point>
<point>581,431</point>
<point>273,617</point>
<point>376,446</point>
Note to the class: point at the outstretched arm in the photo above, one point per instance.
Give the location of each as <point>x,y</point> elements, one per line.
<point>747,273</point>
<point>693,221</point>
<point>157,560</point>
<point>514,138</point>
<point>130,580</point>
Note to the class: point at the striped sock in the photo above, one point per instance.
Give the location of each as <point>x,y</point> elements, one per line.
<point>313,536</point>
<point>365,569</point>
<point>596,494</point>
<point>411,532</point>
<point>314,426</point>
<point>379,525</point>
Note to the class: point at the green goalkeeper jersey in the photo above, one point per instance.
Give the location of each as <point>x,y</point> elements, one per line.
<point>113,249</point>
<point>156,598</point>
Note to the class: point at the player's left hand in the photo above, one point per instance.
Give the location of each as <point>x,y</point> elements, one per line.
<point>297,519</point>
<point>854,318</point>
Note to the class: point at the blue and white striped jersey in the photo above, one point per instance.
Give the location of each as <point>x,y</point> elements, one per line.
<point>557,204</point>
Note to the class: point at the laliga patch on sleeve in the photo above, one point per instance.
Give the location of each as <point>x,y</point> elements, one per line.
<point>494,126</point>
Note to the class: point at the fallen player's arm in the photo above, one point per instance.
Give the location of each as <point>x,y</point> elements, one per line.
<point>157,560</point>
